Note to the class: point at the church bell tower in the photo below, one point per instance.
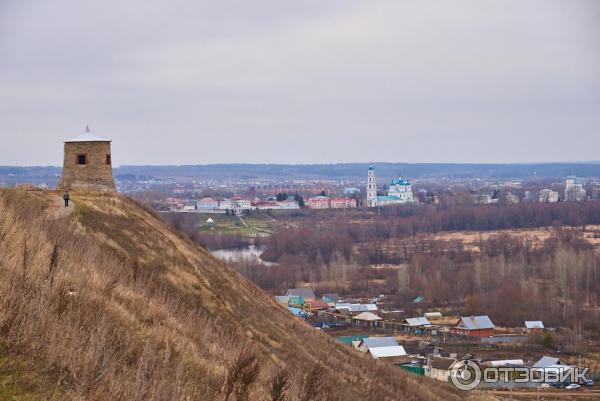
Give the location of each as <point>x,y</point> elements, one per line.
<point>371,188</point>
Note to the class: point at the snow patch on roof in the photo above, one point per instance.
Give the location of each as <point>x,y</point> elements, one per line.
<point>88,136</point>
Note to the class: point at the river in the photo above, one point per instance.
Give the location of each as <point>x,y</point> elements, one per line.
<point>233,255</point>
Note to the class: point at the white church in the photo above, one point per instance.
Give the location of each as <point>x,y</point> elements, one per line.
<point>400,191</point>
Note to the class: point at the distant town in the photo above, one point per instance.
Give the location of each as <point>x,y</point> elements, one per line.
<point>222,194</point>
<point>397,192</point>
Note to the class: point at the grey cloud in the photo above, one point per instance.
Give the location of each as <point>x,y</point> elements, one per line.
<point>186,82</point>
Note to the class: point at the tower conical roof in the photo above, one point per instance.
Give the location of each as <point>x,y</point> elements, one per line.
<point>88,136</point>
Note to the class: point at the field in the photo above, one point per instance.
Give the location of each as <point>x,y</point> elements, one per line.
<point>471,240</point>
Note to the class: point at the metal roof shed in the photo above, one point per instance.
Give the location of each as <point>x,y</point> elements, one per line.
<point>385,352</point>
<point>476,322</point>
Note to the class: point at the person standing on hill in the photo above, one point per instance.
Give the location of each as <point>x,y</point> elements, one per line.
<point>66,197</point>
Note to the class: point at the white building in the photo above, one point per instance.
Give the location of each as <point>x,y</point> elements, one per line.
<point>226,204</point>
<point>318,202</point>
<point>189,205</point>
<point>574,191</point>
<point>242,204</point>
<point>399,193</point>
<point>484,199</point>
<point>207,204</point>
<point>548,196</point>
<point>342,203</point>
<point>511,198</point>
<point>532,196</point>
<point>288,204</point>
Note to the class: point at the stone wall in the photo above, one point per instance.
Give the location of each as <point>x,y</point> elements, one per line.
<point>95,175</point>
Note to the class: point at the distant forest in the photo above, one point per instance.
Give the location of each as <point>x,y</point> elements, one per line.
<point>341,171</point>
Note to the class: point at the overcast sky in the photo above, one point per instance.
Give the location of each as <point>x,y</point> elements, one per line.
<point>301,81</point>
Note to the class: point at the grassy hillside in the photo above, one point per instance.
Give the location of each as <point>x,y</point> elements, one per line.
<point>109,303</point>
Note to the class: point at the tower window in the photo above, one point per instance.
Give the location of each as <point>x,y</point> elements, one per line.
<point>81,159</point>
<point>108,161</point>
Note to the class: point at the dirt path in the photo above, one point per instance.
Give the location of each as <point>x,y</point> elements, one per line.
<point>57,208</point>
<point>245,224</point>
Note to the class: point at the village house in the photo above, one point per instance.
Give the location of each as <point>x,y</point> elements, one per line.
<point>307,294</point>
<point>439,368</point>
<point>416,325</point>
<point>548,361</point>
<point>475,326</point>
<point>380,347</point>
<point>533,327</point>
<point>367,319</point>
<point>315,305</point>
<point>331,298</point>
<point>354,309</point>
<point>298,312</point>
<point>547,364</point>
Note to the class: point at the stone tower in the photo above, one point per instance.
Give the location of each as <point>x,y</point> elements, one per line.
<point>87,165</point>
<point>371,188</point>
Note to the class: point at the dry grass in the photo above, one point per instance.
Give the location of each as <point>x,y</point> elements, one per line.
<point>472,239</point>
<point>121,307</point>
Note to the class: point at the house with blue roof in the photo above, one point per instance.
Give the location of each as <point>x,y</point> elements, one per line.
<point>475,326</point>
<point>298,312</point>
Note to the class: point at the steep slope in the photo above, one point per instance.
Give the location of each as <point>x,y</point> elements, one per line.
<point>113,304</point>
